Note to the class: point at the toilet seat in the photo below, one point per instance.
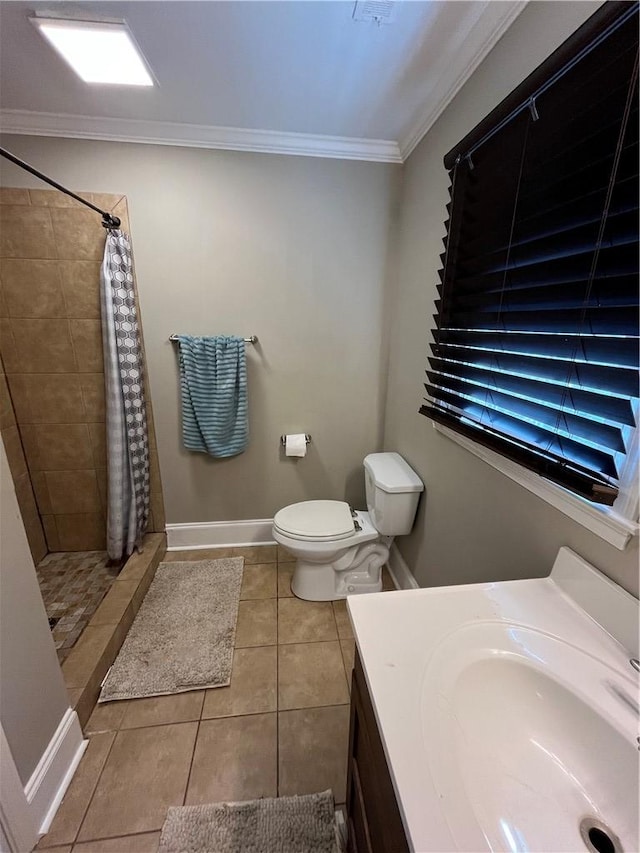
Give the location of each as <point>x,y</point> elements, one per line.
<point>315,521</point>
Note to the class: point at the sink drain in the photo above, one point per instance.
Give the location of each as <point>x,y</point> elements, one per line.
<point>598,838</point>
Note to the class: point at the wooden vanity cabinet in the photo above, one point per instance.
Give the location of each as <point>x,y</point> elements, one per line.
<point>374,821</point>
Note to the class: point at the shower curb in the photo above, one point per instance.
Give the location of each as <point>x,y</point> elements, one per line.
<point>100,642</point>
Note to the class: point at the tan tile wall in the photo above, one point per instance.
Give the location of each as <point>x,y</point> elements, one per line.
<point>52,401</point>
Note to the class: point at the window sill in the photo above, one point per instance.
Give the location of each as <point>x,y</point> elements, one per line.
<point>601,521</point>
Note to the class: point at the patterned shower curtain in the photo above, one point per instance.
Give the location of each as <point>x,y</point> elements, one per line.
<point>127,437</point>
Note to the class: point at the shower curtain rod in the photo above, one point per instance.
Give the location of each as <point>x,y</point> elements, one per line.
<point>108,219</point>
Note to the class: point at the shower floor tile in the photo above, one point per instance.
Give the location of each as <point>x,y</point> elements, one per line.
<point>72,584</point>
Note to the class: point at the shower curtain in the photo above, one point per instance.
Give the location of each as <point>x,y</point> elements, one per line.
<point>127,437</point>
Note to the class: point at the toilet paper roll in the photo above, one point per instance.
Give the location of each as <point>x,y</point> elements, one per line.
<point>295,445</point>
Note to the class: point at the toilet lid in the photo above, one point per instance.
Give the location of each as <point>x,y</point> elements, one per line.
<point>316,520</point>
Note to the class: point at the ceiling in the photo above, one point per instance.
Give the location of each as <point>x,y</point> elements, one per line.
<point>296,75</point>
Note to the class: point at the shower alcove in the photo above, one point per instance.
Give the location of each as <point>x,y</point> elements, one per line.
<point>52,407</point>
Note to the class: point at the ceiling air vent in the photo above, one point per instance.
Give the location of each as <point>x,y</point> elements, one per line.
<point>380,11</point>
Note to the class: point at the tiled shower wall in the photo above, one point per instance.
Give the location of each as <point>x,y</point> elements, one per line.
<point>51,344</point>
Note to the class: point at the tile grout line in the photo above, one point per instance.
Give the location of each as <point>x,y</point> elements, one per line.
<point>107,838</point>
<point>205,719</point>
<point>344,668</point>
<point>86,811</point>
<point>64,301</point>
<point>193,754</point>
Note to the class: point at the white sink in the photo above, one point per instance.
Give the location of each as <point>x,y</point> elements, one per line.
<point>526,735</point>
<point>508,711</point>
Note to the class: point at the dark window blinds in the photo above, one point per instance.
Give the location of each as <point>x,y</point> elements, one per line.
<point>535,350</point>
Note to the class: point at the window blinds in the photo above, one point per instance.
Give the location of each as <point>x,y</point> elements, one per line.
<point>535,350</point>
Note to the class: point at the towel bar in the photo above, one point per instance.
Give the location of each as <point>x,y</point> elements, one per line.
<point>283,439</point>
<point>252,339</point>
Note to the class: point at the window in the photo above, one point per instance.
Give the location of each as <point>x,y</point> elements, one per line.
<point>535,352</point>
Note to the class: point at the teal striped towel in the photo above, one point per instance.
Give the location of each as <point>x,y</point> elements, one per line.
<point>213,383</point>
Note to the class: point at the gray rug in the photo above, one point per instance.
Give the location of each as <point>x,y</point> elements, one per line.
<point>283,825</point>
<point>183,635</point>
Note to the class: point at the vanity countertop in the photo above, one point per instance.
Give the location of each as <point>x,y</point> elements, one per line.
<point>398,634</point>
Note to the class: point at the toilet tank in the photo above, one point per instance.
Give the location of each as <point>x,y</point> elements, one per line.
<point>393,490</point>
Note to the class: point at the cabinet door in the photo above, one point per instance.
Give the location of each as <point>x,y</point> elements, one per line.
<point>359,838</point>
<point>374,817</point>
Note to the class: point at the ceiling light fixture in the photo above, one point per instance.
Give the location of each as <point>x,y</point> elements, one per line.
<point>99,52</point>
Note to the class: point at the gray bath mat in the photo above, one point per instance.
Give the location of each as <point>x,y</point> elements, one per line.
<point>283,825</point>
<point>183,635</point>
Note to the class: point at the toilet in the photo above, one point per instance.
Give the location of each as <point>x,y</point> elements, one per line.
<point>340,551</point>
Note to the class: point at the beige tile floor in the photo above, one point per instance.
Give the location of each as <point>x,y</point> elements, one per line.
<point>280,728</point>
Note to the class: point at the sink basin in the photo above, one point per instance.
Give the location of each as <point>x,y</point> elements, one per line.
<point>508,711</point>
<point>527,735</point>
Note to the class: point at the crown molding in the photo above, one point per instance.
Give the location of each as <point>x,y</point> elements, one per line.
<point>491,22</point>
<point>25,122</point>
<point>494,20</point>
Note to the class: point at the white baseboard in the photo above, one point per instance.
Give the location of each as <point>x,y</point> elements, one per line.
<point>257,531</point>
<point>214,534</point>
<point>49,781</point>
<point>400,571</point>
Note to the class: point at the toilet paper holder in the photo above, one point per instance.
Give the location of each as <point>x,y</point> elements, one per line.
<point>283,439</point>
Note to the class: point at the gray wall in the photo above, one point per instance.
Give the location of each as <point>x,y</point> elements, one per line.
<point>292,249</point>
<point>33,698</point>
<point>474,524</point>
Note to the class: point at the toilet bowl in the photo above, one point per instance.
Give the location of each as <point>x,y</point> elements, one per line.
<point>340,551</point>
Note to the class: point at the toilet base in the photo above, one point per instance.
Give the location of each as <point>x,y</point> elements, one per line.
<point>313,582</point>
